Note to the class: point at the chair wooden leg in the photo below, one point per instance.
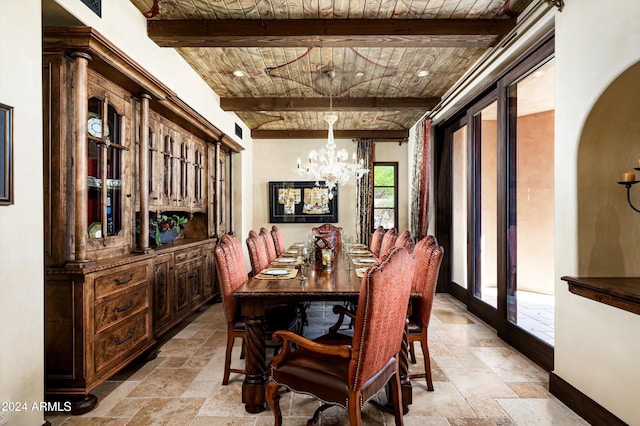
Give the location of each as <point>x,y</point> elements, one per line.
<point>396,396</point>
<point>354,409</point>
<point>227,359</point>
<point>242,353</point>
<point>272,395</point>
<point>427,361</point>
<point>412,353</point>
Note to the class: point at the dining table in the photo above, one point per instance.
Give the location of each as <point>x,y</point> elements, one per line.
<point>340,281</point>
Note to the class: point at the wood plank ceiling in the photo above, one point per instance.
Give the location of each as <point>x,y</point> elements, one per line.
<point>281,65</point>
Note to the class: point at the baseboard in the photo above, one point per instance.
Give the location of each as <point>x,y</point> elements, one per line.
<point>584,406</point>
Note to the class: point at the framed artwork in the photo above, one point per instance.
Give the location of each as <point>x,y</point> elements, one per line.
<point>302,202</point>
<point>6,155</point>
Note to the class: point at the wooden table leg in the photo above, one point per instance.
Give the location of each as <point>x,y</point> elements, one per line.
<point>255,377</point>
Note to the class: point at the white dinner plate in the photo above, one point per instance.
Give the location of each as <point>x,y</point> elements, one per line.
<point>275,272</point>
<point>365,260</point>
<point>292,251</point>
<point>285,260</point>
<point>359,251</point>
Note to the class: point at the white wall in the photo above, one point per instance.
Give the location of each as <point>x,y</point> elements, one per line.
<point>125,26</point>
<point>21,248</point>
<point>274,160</point>
<point>597,346</point>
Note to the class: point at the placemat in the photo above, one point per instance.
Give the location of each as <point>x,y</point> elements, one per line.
<point>286,264</point>
<point>360,272</point>
<point>360,253</point>
<point>265,275</point>
<point>290,252</point>
<point>358,261</point>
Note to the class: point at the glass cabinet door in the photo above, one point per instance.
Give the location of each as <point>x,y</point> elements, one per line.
<point>104,165</point>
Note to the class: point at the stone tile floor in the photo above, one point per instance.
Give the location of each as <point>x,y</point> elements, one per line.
<point>478,380</point>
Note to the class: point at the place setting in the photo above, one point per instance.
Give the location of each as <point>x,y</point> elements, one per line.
<point>364,261</point>
<point>289,262</point>
<point>277,273</point>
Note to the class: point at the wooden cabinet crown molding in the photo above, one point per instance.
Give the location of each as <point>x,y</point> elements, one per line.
<point>114,64</point>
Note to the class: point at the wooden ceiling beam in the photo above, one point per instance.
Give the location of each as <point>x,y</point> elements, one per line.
<point>322,134</point>
<point>329,32</point>
<point>322,104</point>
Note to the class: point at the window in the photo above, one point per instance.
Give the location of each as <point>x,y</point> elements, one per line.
<point>385,195</point>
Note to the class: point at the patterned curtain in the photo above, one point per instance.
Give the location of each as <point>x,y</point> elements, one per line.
<point>364,192</point>
<point>420,182</point>
<point>416,182</point>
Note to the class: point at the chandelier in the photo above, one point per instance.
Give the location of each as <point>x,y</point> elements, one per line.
<point>329,165</point>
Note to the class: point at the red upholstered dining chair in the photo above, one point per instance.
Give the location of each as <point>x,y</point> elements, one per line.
<point>348,371</point>
<point>388,241</point>
<point>376,241</point>
<point>257,252</point>
<point>428,257</point>
<point>404,240</point>
<point>269,243</point>
<point>278,240</point>
<point>334,231</point>
<point>232,274</point>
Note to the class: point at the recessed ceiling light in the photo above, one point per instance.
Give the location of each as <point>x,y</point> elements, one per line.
<point>538,73</point>
<point>239,73</point>
<point>359,74</point>
<point>422,73</point>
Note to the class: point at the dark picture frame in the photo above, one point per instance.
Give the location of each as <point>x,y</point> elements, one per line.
<point>302,202</point>
<point>6,155</point>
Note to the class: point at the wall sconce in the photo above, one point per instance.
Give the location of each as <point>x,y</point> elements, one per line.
<point>628,179</point>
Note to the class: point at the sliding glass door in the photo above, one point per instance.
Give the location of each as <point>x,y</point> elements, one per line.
<point>530,224</point>
<point>497,224</point>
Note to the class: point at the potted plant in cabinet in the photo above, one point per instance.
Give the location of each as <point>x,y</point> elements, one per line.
<point>166,228</point>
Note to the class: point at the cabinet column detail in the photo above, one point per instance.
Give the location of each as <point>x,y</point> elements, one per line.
<point>144,172</point>
<point>231,194</point>
<point>80,94</point>
<point>216,200</point>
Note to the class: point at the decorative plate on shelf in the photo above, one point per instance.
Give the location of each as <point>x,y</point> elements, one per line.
<point>275,272</point>
<point>95,230</point>
<point>94,127</point>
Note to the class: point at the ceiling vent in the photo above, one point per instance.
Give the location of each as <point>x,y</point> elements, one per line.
<point>94,5</point>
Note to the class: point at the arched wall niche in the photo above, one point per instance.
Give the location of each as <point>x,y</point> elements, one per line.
<point>608,229</point>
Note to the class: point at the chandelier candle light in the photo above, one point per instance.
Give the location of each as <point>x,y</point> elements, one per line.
<point>330,165</point>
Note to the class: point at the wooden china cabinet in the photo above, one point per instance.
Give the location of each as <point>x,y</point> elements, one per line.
<point>121,150</point>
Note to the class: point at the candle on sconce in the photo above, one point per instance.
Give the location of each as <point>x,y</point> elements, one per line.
<point>299,162</point>
<point>628,177</point>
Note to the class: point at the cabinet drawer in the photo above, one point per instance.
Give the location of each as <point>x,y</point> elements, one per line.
<point>186,255</point>
<point>114,343</point>
<point>119,308</point>
<point>120,280</point>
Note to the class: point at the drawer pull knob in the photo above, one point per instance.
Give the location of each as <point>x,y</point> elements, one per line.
<point>181,258</point>
<point>126,280</point>
<point>129,336</point>
<point>124,308</point>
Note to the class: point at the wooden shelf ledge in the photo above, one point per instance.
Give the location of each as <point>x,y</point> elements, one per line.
<point>620,292</point>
